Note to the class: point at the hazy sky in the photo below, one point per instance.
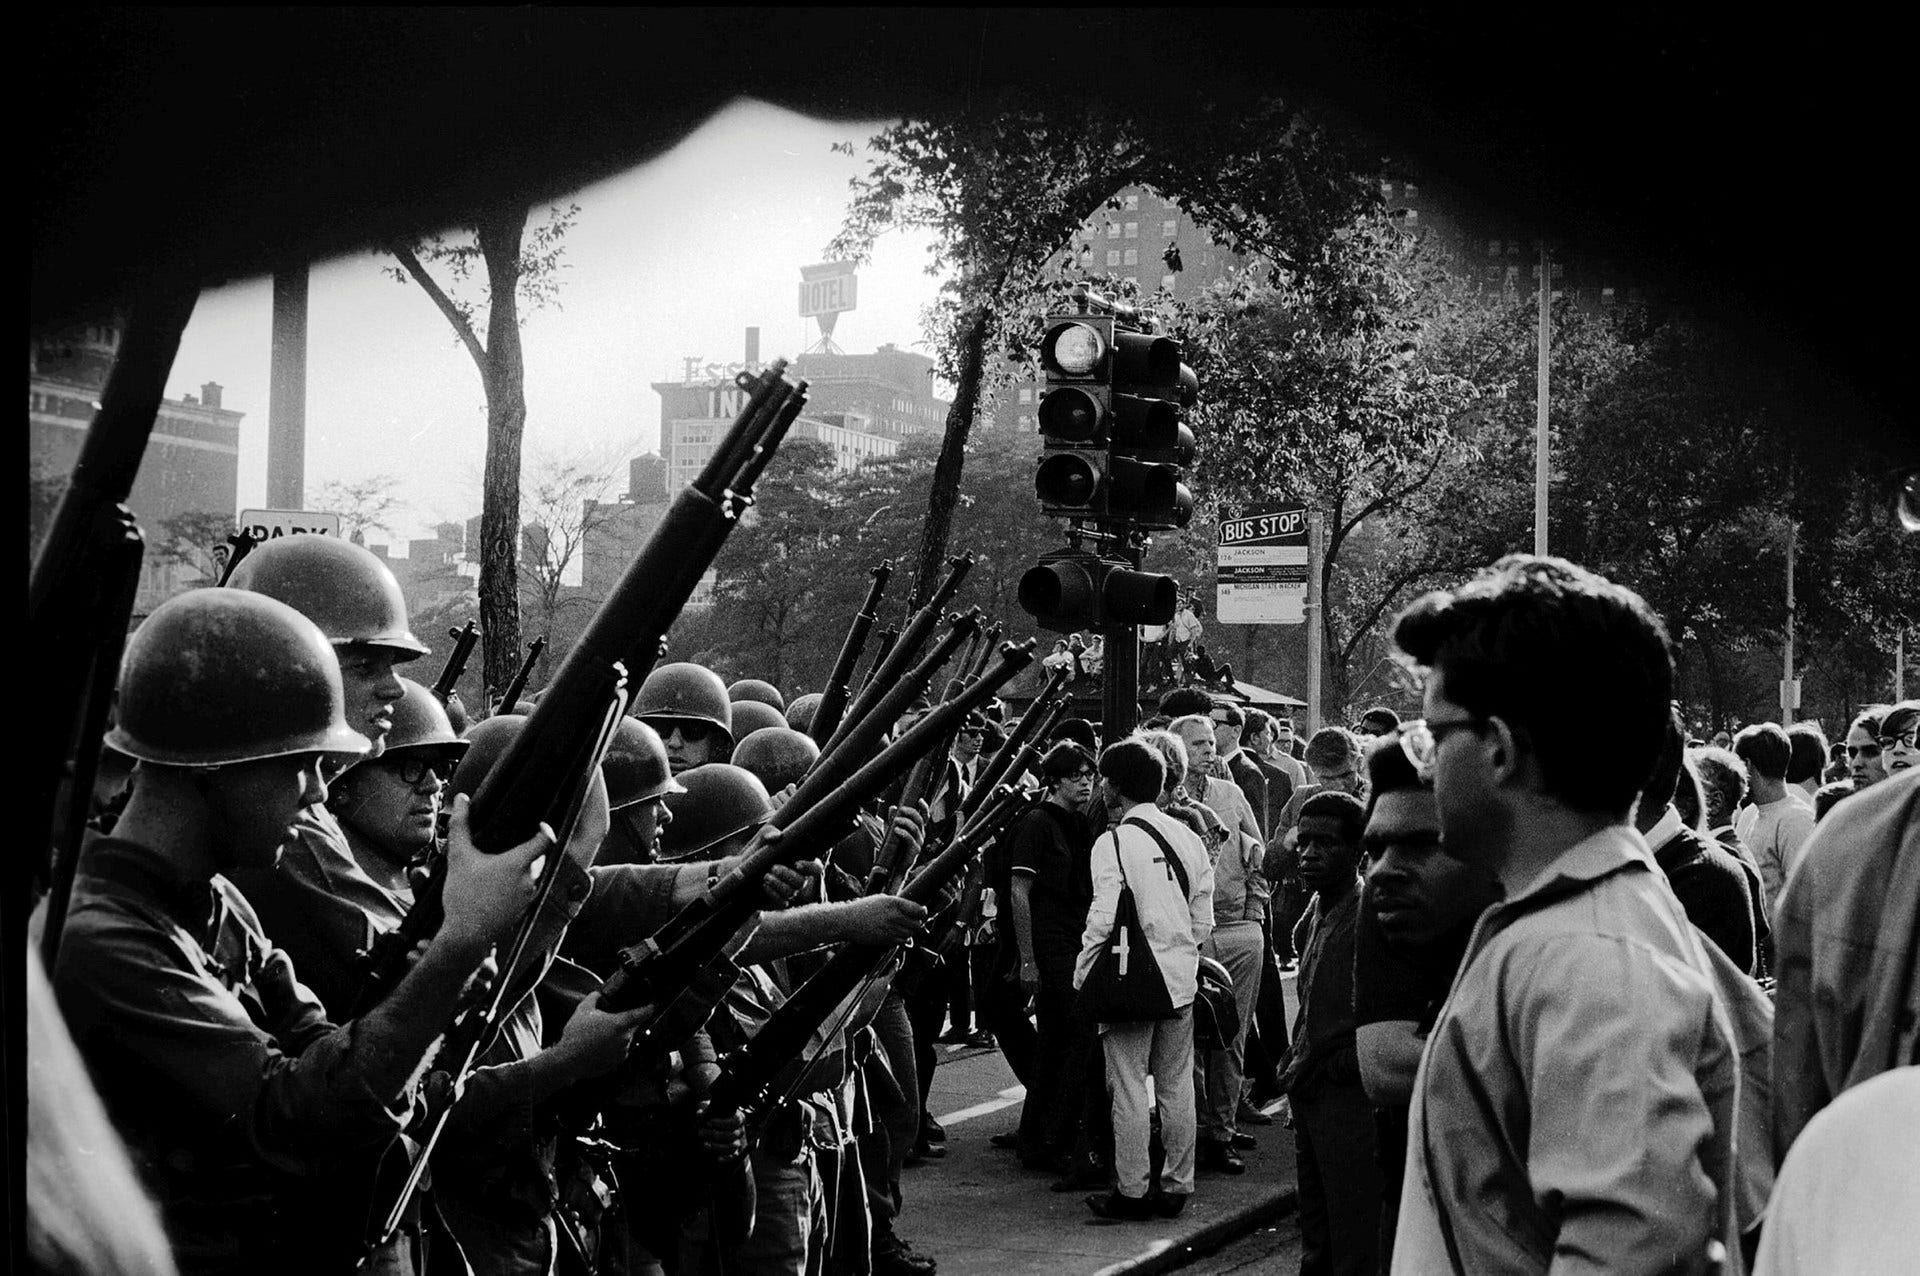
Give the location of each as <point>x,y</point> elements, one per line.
<point>672,260</point>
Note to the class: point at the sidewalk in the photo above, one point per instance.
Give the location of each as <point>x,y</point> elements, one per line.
<point>981,1214</point>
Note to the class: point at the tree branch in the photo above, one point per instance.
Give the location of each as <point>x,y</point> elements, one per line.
<point>462,327</point>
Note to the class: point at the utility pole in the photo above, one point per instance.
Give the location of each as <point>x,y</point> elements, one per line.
<point>287,392</point>
<point>1316,547</point>
<point>1545,293</point>
<point>1789,689</point>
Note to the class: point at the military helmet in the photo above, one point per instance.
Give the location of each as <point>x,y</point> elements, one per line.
<point>750,716</point>
<point>421,722</point>
<point>718,801</point>
<point>342,587</point>
<point>635,767</point>
<point>690,692</point>
<point>800,712</point>
<point>488,739</point>
<point>755,689</point>
<point>779,756</point>
<point>218,676</point>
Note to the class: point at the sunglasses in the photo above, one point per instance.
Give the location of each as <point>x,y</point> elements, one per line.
<point>412,770</point>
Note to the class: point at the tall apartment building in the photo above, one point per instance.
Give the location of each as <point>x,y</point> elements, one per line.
<point>192,461</point>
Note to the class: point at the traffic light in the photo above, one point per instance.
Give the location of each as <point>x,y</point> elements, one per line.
<point>1110,419</point>
<point>1076,589</point>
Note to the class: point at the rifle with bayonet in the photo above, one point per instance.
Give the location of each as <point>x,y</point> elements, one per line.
<point>464,639</point>
<point>833,701</point>
<point>902,652</point>
<point>518,687</point>
<point>747,1076</point>
<point>627,630</point>
<point>820,812</point>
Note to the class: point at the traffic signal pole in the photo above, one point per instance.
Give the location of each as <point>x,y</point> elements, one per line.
<point>1119,682</point>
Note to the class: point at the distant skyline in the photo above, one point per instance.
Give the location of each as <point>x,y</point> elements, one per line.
<point>670,261</point>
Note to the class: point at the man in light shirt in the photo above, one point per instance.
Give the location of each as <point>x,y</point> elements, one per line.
<point>1776,826</point>
<point>1176,922</point>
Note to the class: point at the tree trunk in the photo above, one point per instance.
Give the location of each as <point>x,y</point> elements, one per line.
<point>500,232</point>
<point>945,494</point>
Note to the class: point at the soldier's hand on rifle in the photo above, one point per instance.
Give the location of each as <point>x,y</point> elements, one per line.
<point>486,895</point>
<point>910,823</point>
<point>780,799</point>
<point>881,920</point>
<point>595,1041</point>
<point>722,1138</point>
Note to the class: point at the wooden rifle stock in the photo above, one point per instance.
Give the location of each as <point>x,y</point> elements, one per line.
<point>518,794</point>
<point>657,967</point>
<point>833,701</point>
<point>518,687</point>
<point>464,639</point>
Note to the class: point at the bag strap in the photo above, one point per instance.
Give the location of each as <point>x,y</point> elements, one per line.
<point>1173,859</point>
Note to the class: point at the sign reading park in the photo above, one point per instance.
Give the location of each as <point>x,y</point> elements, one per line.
<point>272,524</point>
<point>1262,568</point>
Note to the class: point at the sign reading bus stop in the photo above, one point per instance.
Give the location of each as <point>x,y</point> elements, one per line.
<point>1262,568</point>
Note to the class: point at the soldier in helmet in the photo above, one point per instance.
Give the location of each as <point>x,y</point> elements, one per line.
<point>318,902</point>
<point>777,756</point>
<point>754,690</point>
<point>687,704</point>
<point>800,712</point>
<point>639,779</point>
<point>750,716</point>
<point>236,1094</point>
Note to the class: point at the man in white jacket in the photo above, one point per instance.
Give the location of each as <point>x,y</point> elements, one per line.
<point>1177,918</point>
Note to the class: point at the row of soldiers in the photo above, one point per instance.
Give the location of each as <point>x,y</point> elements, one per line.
<point>288,783</point>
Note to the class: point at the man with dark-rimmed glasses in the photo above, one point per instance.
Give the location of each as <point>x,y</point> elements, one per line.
<point>1575,1103</point>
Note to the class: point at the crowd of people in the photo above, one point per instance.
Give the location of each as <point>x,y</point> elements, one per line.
<point>1573,990</point>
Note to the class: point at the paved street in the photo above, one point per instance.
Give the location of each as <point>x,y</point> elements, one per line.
<point>981,1214</point>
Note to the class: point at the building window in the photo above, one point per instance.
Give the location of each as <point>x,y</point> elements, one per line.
<point>1409,216</point>
<point>1026,394</point>
<point>1606,296</point>
<point>1134,280</point>
<point>1133,230</point>
<point>1024,421</point>
<point>1410,191</point>
<point>1170,227</point>
<point>1493,248</point>
<point>1513,276</point>
<point>1113,256</point>
<point>1166,282</point>
<point>1131,257</point>
<point>1386,189</point>
<point>1513,248</point>
<point>1132,202</point>
<point>1113,230</point>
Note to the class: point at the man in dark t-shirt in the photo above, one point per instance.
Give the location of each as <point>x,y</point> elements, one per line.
<point>1416,915</point>
<point>1049,889</point>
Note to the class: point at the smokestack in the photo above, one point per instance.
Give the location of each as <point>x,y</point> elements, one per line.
<point>753,350</point>
<point>210,394</point>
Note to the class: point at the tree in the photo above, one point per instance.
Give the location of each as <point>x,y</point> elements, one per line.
<point>1005,182</point>
<point>1351,408</point>
<point>520,270</point>
<point>565,501</point>
<point>364,505</point>
<point>188,541</point>
<point>771,571</point>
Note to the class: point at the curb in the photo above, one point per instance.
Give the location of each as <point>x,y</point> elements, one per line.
<point>1213,1236</point>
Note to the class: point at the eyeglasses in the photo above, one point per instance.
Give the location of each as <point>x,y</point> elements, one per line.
<point>1420,741</point>
<point>1903,740</point>
<point>412,768</point>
